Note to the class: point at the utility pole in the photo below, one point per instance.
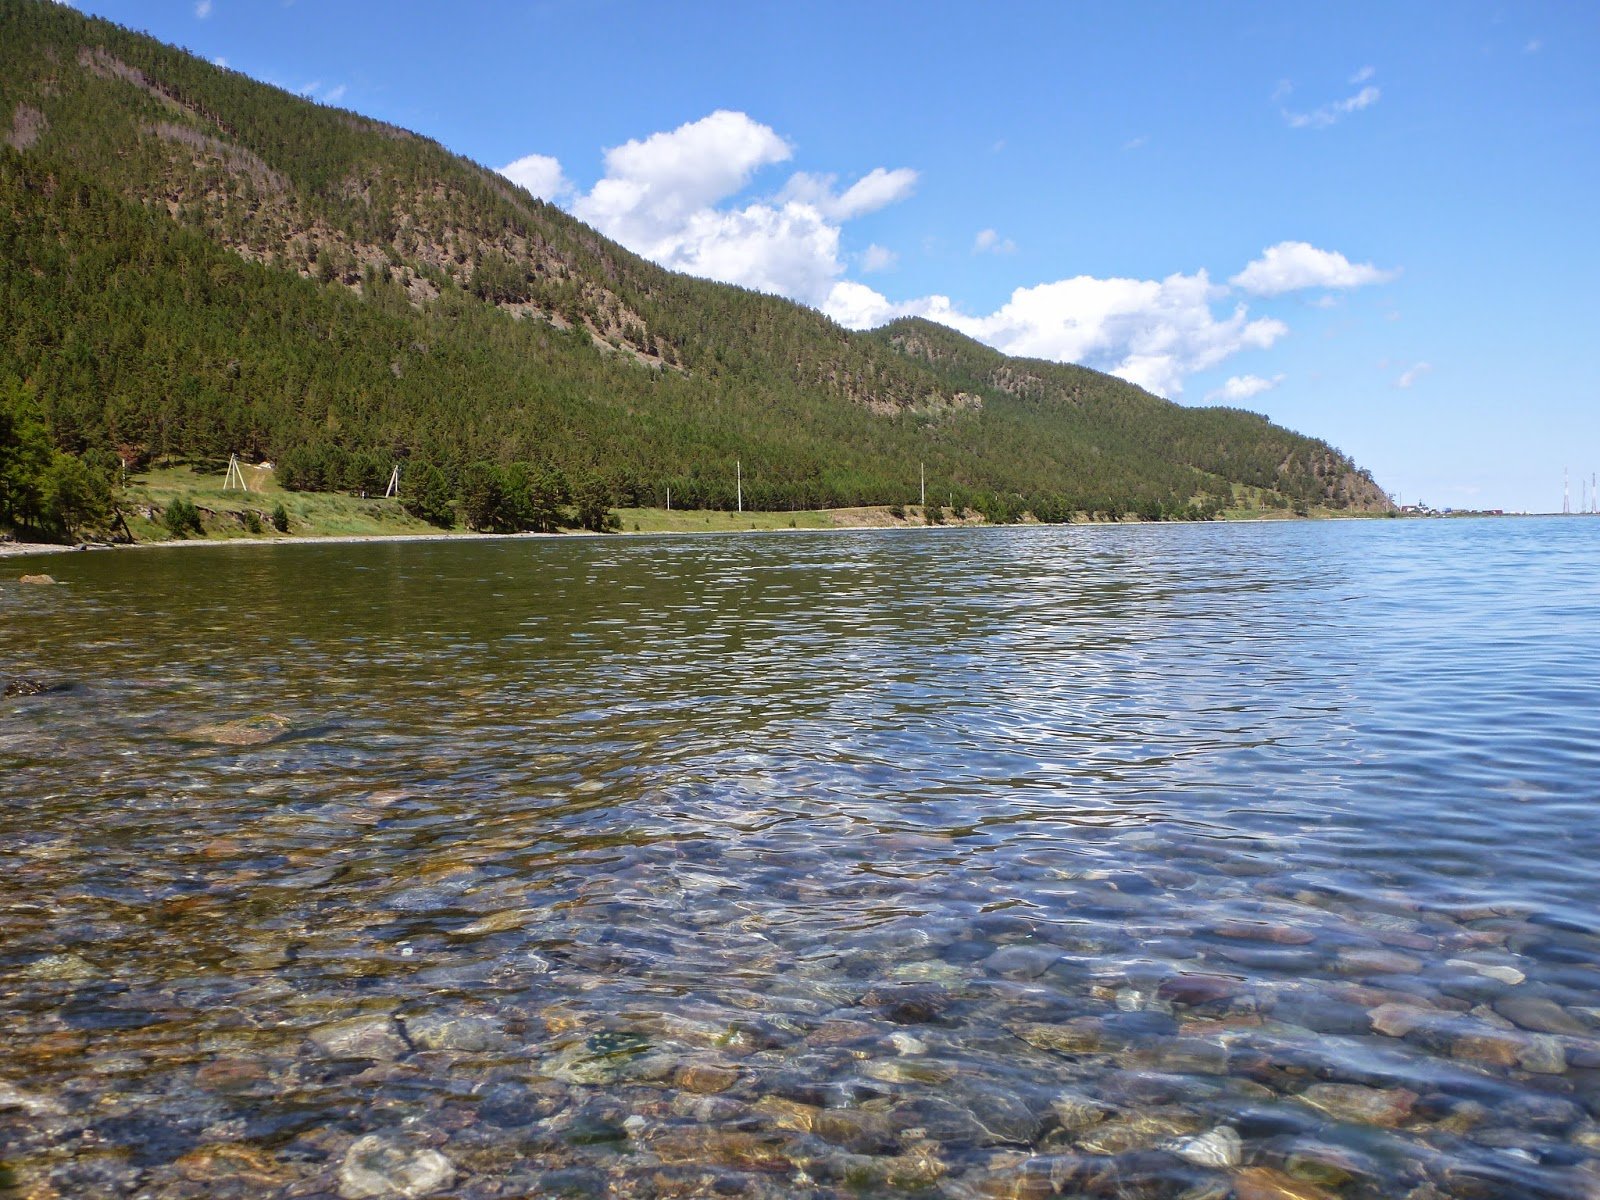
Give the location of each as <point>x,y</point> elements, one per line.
<point>669,499</point>
<point>738,482</point>
<point>922,475</point>
<point>1566,494</point>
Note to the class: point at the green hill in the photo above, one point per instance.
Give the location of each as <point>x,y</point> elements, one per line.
<point>197,264</point>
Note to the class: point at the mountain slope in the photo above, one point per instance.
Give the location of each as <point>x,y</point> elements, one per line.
<point>197,264</point>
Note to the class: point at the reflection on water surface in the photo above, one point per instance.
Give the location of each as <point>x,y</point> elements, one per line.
<point>1134,862</point>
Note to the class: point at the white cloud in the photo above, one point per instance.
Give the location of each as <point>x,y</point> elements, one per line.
<point>990,242</point>
<point>1332,114</point>
<point>310,89</point>
<point>790,251</point>
<point>1136,143</point>
<point>874,190</point>
<point>220,61</point>
<point>653,188</point>
<point>1291,266</point>
<point>1363,75</point>
<point>668,196</point>
<point>202,9</point>
<point>335,94</point>
<point>1413,373</point>
<point>539,173</point>
<point>856,306</point>
<point>1533,47</point>
<point>675,197</point>
<point>878,258</point>
<point>1154,333</point>
<point>1242,387</point>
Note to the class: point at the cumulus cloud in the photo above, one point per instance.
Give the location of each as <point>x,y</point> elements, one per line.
<point>655,186</point>
<point>1242,387</point>
<point>1413,373</point>
<point>990,242</point>
<point>683,198</point>
<point>540,174</point>
<point>1154,333</point>
<point>1332,114</point>
<point>874,190</point>
<point>202,9</point>
<point>1291,266</point>
<point>672,198</point>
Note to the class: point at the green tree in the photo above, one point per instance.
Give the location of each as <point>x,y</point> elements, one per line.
<point>74,495</point>
<point>25,457</point>
<point>182,517</point>
<point>483,497</point>
<point>280,517</point>
<point>591,502</point>
<point>425,494</point>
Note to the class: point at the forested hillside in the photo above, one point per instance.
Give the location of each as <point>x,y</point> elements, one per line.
<point>196,264</point>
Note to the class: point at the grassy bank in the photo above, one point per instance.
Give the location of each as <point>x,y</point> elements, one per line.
<point>232,513</point>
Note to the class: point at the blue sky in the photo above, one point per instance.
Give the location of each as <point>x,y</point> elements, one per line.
<point>1375,223</point>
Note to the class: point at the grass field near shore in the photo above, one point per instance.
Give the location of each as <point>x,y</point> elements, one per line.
<point>226,512</point>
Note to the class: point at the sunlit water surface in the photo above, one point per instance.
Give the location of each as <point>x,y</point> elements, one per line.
<point>1254,861</point>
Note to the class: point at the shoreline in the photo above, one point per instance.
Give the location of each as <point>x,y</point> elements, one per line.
<point>30,549</point>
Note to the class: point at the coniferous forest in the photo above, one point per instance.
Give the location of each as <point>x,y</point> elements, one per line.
<point>194,264</point>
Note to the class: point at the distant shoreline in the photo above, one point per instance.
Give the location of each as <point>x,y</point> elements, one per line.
<point>23,549</point>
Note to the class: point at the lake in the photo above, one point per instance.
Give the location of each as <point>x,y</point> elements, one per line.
<point>1160,861</point>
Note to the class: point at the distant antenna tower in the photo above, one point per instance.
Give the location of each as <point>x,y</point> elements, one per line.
<point>235,476</point>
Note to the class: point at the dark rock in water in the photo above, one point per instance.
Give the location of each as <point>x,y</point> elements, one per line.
<point>31,685</point>
<point>1538,1111</point>
<point>509,1104</point>
<point>1539,1014</point>
<point>1322,1014</point>
<point>909,1004</point>
<point>1134,1028</point>
<point>857,1130</point>
<point>571,1182</point>
<point>1194,990</point>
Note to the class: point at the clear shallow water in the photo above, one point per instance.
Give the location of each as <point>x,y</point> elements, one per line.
<point>1204,861</point>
